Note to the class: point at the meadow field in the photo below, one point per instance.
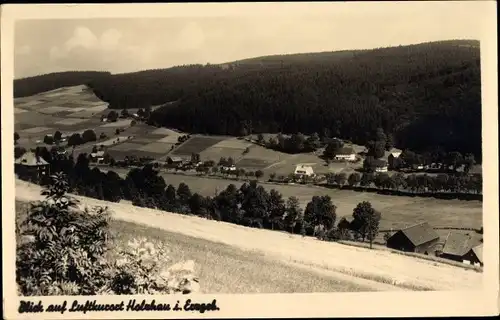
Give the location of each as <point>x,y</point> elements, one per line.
<point>397,211</point>
<point>337,267</point>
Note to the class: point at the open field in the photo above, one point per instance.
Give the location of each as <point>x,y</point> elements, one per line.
<point>157,147</point>
<point>19,110</point>
<point>166,132</point>
<point>121,154</point>
<point>352,264</point>
<point>36,130</point>
<point>114,140</point>
<point>253,163</point>
<point>215,154</point>
<point>172,139</point>
<point>196,145</point>
<point>71,121</point>
<point>397,211</point>
<point>127,146</point>
<point>118,124</point>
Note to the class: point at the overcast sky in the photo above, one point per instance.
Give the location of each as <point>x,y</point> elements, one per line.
<point>126,45</point>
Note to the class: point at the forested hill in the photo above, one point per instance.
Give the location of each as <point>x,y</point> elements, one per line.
<point>33,85</point>
<point>427,95</point>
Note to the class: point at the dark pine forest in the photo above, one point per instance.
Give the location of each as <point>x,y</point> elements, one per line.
<point>428,96</point>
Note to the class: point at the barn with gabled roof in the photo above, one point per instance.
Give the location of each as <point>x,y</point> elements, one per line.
<point>420,238</point>
<point>462,248</point>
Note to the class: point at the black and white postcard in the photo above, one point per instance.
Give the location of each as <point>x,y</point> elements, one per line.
<point>233,160</point>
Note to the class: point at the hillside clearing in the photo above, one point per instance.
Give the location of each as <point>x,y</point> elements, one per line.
<point>356,262</point>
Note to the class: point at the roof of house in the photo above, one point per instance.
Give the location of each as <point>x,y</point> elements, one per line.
<point>175,159</point>
<point>478,251</point>
<point>303,166</point>
<point>30,159</point>
<point>420,233</point>
<point>346,151</point>
<point>97,154</point>
<point>457,244</point>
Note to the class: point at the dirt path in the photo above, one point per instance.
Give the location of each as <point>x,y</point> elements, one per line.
<point>360,265</point>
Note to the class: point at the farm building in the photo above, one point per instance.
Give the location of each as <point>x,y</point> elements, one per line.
<point>31,166</point>
<point>228,168</point>
<point>420,238</point>
<point>394,160</point>
<point>380,165</point>
<point>97,156</point>
<point>303,170</point>
<point>346,153</point>
<point>395,153</point>
<point>474,256</point>
<point>174,160</point>
<point>459,247</point>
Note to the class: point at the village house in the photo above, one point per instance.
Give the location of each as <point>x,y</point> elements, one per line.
<point>31,166</point>
<point>394,160</point>
<point>61,151</point>
<point>380,165</point>
<point>419,238</point>
<point>231,168</point>
<point>97,156</point>
<point>474,256</point>
<point>174,160</point>
<point>395,153</point>
<point>346,154</point>
<point>303,170</point>
<point>459,247</point>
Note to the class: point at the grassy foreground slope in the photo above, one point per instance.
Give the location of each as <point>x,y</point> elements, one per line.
<point>355,266</point>
<point>225,269</point>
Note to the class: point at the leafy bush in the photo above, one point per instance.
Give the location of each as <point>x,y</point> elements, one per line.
<point>62,250</point>
<point>140,269</point>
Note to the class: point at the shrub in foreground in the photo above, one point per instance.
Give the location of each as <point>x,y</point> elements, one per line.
<point>140,269</point>
<point>62,250</point>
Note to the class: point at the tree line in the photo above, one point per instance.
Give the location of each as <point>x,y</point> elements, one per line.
<point>250,205</point>
<point>417,183</point>
<point>423,96</point>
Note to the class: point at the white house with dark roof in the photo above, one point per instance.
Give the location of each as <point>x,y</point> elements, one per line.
<point>98,156</point>
<point>346,154</point>
<point>304,170</point>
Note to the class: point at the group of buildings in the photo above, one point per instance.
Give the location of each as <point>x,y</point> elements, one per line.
<point>421,238</point>
<point>349,154</point>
